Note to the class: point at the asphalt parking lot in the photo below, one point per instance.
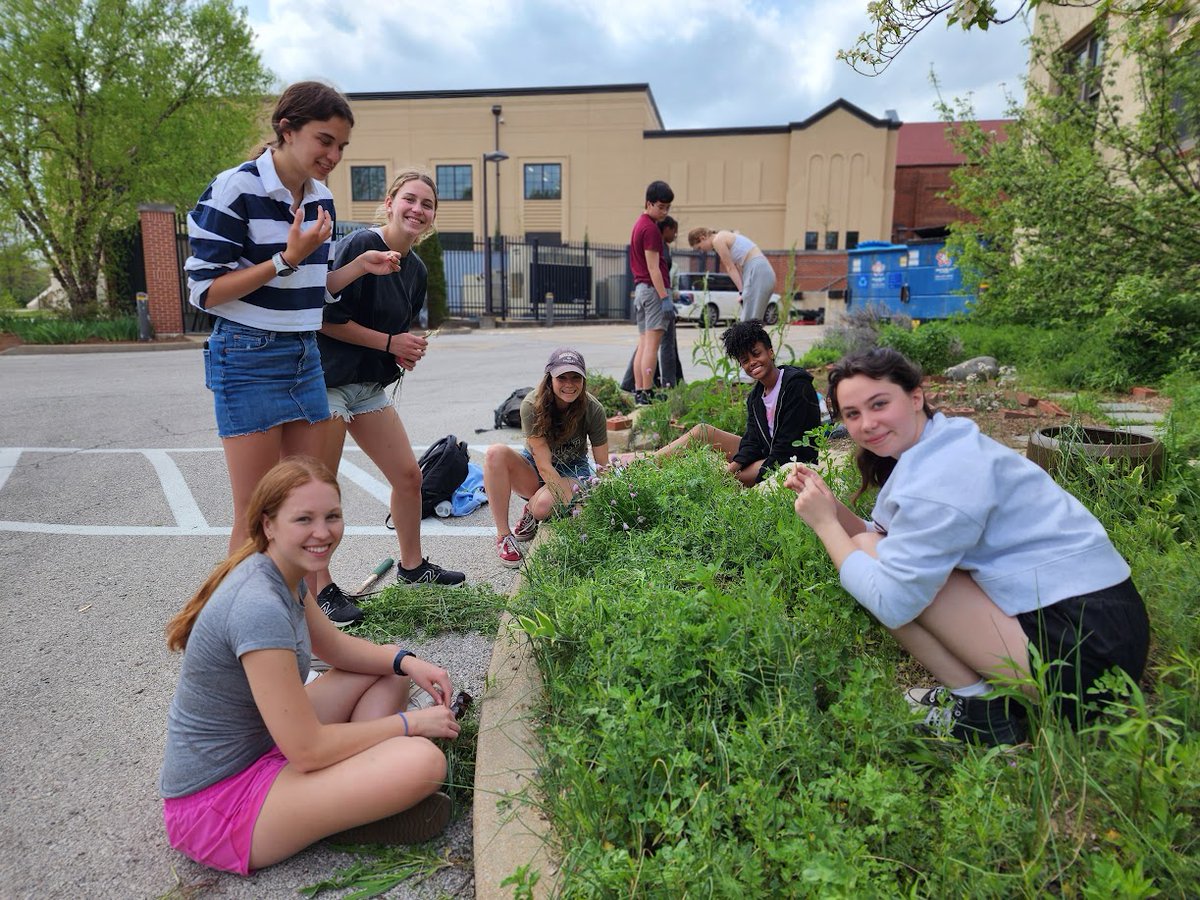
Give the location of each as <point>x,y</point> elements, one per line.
<point>114,505</point>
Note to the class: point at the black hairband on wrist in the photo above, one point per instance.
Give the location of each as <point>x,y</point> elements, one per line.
<point>399,660</point>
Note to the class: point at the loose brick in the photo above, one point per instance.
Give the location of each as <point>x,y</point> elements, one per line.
<point>1050,408</point>
<point>619,423</point>
<point>1020,414</point>
<point>958,411</point>
<point>1024,399</point>
<point>1143,393</point>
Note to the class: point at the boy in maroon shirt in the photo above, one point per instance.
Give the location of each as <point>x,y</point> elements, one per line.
<point>651,295</point>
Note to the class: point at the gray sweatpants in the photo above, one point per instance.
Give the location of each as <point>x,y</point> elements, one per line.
<point>758,283</point>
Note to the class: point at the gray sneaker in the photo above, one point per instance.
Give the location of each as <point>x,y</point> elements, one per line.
<point>421,823</point>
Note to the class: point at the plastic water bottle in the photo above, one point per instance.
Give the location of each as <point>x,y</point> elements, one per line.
<point>443,509</point>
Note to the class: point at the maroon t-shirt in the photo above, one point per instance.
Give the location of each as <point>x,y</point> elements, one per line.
<point>646,236</point>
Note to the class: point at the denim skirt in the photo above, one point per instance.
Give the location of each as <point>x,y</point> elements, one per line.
<point>261,379</point>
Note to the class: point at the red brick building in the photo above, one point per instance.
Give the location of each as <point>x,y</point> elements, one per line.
<point>924,160</point>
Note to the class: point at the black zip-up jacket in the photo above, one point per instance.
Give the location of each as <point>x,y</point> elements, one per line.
<point>797,411</point>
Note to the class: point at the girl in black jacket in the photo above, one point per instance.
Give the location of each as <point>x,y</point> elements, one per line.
<point>780,411</point>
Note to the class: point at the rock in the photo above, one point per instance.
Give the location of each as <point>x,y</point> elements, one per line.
<point>983,366</point>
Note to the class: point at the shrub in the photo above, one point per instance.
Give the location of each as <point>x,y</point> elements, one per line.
<point>608,391</point>
<point>932,345</point>
<point>714,401</point>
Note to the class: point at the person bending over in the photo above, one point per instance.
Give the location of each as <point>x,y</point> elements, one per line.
<point>973,557</point>
<point>782,408</point>
<point>257,765</point>
<point>559,419</point>
<point>745,263</point>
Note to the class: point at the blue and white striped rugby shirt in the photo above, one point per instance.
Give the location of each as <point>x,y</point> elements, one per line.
<point>241,220</point>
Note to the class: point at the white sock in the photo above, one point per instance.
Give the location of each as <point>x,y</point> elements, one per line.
<point>978,689</point>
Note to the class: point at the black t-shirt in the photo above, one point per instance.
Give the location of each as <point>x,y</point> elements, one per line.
<point>387,303</point>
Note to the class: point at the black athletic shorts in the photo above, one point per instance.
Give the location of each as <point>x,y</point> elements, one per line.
<point>1084,637</point>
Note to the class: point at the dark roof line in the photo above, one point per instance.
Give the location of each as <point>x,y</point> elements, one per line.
<point>889,122</point>
<point>640,87</point>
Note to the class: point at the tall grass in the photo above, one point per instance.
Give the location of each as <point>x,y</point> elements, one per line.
<point>721,719</point>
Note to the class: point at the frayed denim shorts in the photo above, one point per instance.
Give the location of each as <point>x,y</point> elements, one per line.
<point>261,379</point>
<point>349,400</point>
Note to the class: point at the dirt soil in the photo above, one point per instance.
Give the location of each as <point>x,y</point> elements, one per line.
<point>1009,415</point>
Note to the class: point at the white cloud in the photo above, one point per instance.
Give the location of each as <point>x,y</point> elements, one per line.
<point>710,63</point>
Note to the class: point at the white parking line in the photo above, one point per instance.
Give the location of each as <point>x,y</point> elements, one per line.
<point>183,505</point>
<point>8,462</point>
<point>189,519</point>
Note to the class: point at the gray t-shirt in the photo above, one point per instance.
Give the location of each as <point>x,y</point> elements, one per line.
<point>214,729</point>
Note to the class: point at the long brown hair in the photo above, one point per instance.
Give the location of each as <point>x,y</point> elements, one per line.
<point>882,364</point>
<point>549,421</point>
<point>304,102</point>
<point>270,494</point>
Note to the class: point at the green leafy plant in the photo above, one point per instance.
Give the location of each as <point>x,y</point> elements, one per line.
<point>605,388</point>
<point>721,719</point>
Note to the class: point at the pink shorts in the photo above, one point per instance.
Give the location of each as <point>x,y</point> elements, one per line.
<point>215,825</point>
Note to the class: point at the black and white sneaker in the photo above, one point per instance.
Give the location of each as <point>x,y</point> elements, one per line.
<point>337,606</point>
<point>428,573</point>
<point>977,720</point>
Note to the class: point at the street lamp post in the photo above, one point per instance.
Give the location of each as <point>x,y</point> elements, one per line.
<point>495,157</point>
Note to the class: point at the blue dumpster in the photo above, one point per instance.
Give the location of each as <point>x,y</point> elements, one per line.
<point>918,280</point>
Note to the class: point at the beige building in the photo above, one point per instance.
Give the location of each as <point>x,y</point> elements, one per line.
<point>579,159</point>
<point>1071,32</point>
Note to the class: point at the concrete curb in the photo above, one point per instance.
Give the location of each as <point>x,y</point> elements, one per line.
<point>510,831</point>
<point>115,347</point>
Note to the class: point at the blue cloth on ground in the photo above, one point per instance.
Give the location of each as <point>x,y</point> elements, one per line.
<point>469,495</point>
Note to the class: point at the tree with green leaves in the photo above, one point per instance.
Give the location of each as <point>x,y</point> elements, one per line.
<point>436,302</point>
<point>1088,215</point>
<point>112,103</point>
<point>897,22</point>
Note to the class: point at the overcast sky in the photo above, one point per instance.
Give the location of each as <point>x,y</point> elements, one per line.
<point>709,63</point>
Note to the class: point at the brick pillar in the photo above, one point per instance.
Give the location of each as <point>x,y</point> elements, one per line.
<point>162,268</point>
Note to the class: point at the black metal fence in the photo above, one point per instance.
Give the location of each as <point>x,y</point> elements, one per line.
<point>531,280</point>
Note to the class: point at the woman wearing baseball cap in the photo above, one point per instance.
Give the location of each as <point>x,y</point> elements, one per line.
<point>560,418</point>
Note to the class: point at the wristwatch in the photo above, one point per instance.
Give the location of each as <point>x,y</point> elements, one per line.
<point>282,267</point>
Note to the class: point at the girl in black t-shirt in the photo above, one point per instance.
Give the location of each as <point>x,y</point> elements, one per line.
<point>365,346</point>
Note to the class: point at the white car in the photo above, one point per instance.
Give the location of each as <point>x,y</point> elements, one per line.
<point>711,298</point>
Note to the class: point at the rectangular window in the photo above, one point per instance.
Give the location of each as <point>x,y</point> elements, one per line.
<point>810,240</point>
<point>543,181</point>
<point>831,240</point>
<point>1085,61</point>
<point>851,240</point>
<point>453,182</point>
<point>368,183</point>
<point>457,240</point>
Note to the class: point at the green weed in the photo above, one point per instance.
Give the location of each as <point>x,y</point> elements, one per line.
<point>722,719</point>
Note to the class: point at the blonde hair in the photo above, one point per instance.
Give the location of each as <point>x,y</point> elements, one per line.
<point>398,182</point>
<point>270,494</point>
<point>696,235</point>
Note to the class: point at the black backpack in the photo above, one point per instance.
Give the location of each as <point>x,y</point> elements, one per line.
<point>509,412</point>
<point>443,469</point>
